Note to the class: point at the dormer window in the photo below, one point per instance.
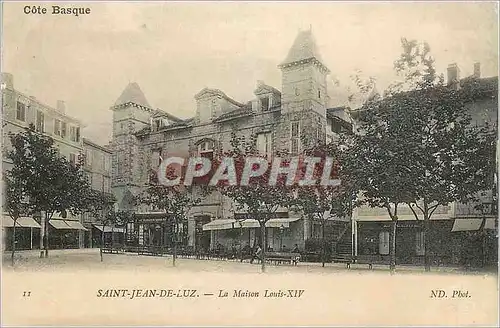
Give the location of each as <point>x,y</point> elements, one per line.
<point>160,123</point>
<point>265,103</point>
<point>206,149</point>
<point>157,125</point>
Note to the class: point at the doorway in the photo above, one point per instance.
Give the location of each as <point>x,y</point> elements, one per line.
<point>202,238</point>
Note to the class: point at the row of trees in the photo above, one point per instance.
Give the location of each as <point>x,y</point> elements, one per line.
<point>42,183</point>
<point>415,145</point>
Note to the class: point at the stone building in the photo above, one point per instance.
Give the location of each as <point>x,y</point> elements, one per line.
<point>277,119</point>
<point>97,166</point>
<point>18,112</point>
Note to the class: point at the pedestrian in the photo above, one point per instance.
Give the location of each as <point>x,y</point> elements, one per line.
<point>256,254</point>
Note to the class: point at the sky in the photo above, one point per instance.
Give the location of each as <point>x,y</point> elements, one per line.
<point>173,50</point>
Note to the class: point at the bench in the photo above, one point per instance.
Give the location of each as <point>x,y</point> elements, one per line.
<point>346,259</point>
<point>149,250</point>
<point>372,259</point>
<point>116,249</point>
<point>280,257</point>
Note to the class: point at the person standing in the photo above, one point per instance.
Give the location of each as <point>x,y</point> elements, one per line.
<point>256,254</point>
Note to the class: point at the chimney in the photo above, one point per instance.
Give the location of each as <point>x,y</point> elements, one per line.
<point>477,70</point>
<point>61,106</point>
<point>7,81</point>
<point>453,74</point>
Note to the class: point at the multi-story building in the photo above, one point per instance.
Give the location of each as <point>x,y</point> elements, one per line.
<point>457,230</point>
<point>19,111</point>
<point>97,166</point>
<point>276,119</point>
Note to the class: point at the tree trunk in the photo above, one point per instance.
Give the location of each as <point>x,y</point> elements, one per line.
<point>174,255</point>
<point>13,242</point>
<point>46,227</point>
<point>392,246</point>
<point>102,241</point>
<point>426,245</point>
<point>426,237</point>
<point>263,240</point>
<point>323,244</point>
<point>42,233</point>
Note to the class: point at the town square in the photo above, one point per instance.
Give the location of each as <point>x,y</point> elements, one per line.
<point>277,158</point>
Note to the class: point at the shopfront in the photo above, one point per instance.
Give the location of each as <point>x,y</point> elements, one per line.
<point>457,242</point>
<point>27,233</point>
<point>65,233</point>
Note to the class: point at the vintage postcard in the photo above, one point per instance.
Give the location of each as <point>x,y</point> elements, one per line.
<point>249,163</point>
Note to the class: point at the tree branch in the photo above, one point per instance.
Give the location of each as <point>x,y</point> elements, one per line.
<point>414,213</point>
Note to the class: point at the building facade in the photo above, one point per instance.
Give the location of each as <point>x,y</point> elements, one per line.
<point>459,233</point>
<point>19,111</point>
<point>278,120</point>
<point>97,166</point>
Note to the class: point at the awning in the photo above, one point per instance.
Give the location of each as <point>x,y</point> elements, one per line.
<point>59,224</point>
<point>109,229</point>
<point>7,221</point>
<point>75,225</point>
<point>28,222</point>
<point>490,224</point>
<point>466,224</point>
<point>272,223</point>
<point>220,224</point>
<point>22,222</point>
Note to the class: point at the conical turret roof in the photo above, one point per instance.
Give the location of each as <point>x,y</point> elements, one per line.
<point>304,47</point>
<point>133,94</point>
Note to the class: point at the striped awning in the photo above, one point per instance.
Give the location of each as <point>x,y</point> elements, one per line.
<point>272,223</point>
<point>28,222</point>
<point>75,225</point>
<point>59,224</point>
<point>220,224</point>
<point>22,222</point>
<point>468,224</point>
<point>7,221</point>
<point>490,224</point>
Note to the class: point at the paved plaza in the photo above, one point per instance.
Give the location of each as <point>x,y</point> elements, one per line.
<point>67,289</point>
<point>89,259</point>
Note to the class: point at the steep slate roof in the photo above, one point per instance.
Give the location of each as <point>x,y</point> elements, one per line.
<point>132,94</point>
<point>262,87</point>
<point>219,94</point>
<point>304,47</point>
<point>161,113</point>
<point>236,113</point>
